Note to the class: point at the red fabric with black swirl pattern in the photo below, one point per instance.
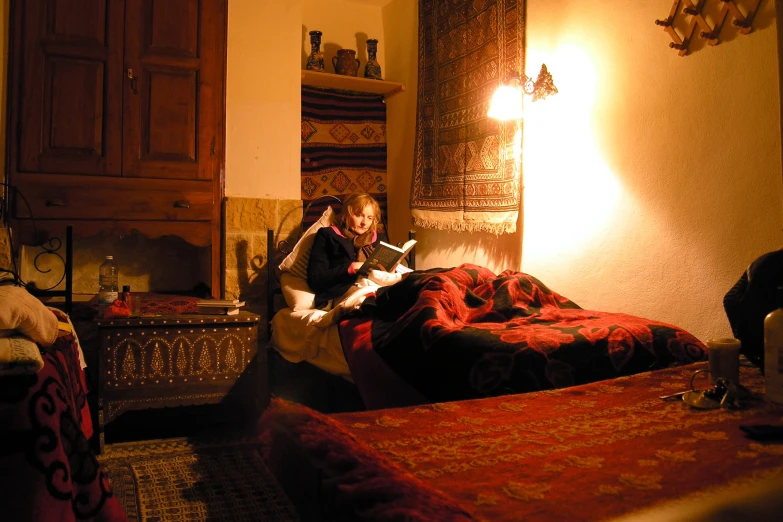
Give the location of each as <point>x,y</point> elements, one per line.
<point>47,468</point>
<point>466,333</point>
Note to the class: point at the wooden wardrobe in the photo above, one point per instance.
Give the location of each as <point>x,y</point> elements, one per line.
<point>116,117</point>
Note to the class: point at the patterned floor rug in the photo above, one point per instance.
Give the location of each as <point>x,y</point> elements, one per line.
<point>180,479</point>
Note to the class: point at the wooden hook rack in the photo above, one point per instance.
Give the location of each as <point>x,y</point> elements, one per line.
<point>708,32</point>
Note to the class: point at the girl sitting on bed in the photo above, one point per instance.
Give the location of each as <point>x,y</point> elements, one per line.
<point>339,251</point>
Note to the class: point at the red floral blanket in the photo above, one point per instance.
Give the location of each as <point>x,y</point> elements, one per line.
<point>47,469</point>
<point>464,333</point>
<point>590,452</point>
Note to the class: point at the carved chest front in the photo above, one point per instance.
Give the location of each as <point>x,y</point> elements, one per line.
<point>179,360</point>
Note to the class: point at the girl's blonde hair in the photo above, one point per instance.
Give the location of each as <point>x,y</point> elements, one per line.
<point>355,204</point>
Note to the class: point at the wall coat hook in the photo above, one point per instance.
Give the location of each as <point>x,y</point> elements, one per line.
<point>706,31</point>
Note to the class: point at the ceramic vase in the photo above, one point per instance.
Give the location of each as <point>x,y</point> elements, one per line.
<point>315,62</point>
<point>373,69</point>
<point>345,62</point>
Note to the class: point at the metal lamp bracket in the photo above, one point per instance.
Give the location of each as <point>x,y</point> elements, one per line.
<point>540,88</point>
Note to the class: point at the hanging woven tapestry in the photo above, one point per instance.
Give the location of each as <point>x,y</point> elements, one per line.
<point>343,144</point>
<point>467,167</point>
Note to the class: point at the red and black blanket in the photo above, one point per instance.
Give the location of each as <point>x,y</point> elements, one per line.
<point>48,470</point>
<point>464,333</point>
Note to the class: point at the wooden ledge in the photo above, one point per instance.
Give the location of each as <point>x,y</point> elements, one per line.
<point>326,80</point>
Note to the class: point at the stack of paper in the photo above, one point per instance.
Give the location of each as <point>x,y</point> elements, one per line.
<point>220,306</point>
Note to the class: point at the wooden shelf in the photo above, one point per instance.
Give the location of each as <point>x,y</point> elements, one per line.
<point>325,80</point>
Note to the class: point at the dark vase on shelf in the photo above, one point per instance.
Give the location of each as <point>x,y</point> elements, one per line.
<point>373,69</point>
<point>315,62</point>
<point>345,62</point>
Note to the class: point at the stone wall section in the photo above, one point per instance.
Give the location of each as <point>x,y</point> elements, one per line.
<point>245,246</point>
<point>5,249</point>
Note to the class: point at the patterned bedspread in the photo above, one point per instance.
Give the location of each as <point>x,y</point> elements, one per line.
<point>47,469</point>
<point>464,333</point>
<point>589,452</point>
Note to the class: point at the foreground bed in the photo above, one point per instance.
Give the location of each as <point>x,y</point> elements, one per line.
<point>589,452</point>
<point>48,470</point>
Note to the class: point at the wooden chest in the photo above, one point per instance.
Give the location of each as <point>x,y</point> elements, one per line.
<point>179,360</point>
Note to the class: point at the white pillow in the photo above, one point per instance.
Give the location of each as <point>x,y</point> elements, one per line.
<point>296,262</point>
<point>19,356</point>
<point>23,313</point>
<point>296,293</point>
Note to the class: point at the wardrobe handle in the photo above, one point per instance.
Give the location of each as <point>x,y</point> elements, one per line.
<point>182,203</point>
<point>132,79</point>
<point>55,203</point>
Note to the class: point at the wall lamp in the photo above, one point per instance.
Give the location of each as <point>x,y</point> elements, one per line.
<point>506,103</point>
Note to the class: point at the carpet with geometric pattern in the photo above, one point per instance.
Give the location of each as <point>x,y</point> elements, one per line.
<point>195,479</point>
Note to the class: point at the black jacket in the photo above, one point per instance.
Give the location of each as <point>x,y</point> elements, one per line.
<point>327,270</point>
<point>749,301</point>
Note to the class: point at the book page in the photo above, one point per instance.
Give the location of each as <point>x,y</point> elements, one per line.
<point>383,258</point>
<point>387,257</point>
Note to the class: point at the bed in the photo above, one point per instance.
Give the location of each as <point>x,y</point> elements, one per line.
<point>590,452</point>
<point>48,470</point>
<point>462,333</point>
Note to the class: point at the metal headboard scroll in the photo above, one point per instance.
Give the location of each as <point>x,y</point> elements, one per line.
<point>285,246</point>
<point>51,249</point>
<point>699,21</point>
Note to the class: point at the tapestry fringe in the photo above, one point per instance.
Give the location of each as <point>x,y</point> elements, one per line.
<point>466,226</point>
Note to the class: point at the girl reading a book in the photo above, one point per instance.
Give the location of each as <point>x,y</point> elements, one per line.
<point>339,251</point>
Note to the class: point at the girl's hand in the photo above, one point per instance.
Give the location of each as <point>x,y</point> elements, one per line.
<point>355,266</point>
<point>384,278</point>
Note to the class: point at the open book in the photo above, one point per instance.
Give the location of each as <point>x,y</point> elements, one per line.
<point>387,257</point>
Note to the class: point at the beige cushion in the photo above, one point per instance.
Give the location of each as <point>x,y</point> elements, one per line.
<point>22,313</point>
<point>296,262</point>
<point>19,356</point>
<point>298,296</point>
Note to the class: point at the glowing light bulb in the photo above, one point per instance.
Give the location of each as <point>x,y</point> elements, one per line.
<point>506,103</point>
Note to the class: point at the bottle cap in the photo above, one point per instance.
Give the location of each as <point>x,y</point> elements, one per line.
<point>109,257</point>
<point>126,288</point>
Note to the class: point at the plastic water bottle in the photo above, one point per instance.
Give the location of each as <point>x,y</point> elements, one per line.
<point>107,283</point>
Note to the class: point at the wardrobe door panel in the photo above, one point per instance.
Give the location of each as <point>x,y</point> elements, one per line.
<point>174,108</point>
<point>70,90</point>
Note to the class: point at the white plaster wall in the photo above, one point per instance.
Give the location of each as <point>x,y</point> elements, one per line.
<point>400,21</point>
<point>263,99</point>
<point>651,180</point>
<point>345,24</point>
<point>268,44</point>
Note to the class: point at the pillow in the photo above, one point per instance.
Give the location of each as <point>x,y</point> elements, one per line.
<point>19,356</point>
<point>22,312</point>
<point>296,293</point>
<point>296,261</point>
